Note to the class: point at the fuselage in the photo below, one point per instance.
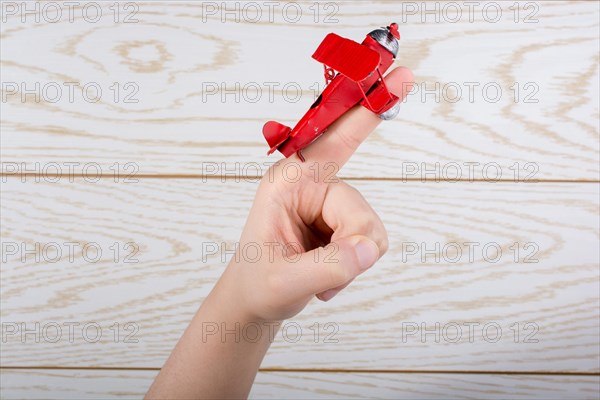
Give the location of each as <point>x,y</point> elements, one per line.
<point>338,97</point>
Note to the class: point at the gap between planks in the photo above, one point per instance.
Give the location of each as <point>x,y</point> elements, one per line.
<point>323,370</point>
<point>256,178</point>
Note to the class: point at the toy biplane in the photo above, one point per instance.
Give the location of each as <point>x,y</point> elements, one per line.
<point>353,75</point>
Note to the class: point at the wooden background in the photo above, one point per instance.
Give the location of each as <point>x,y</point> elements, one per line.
<point>174,137</point>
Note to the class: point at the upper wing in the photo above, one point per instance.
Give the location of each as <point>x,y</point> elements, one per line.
<point>347,57</point>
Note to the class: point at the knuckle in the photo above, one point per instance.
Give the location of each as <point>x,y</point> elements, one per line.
<point>384,243</point>
<point>369,224</point>
<point>338,275</point>
<point>377,231</point>
<point>337,272</point>
<point>348,139</point>
<point>383,240</point>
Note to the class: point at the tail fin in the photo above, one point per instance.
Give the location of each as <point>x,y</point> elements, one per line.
<point>276,134</point>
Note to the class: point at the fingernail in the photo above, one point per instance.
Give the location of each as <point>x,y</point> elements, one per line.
<point>328,294</point>
<point>367,253</point>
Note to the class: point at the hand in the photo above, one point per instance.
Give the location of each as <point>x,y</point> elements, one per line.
<point>314,235</point>
<point>308,232</point>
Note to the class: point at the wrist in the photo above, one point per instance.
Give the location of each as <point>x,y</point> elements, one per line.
<point>232,310</point>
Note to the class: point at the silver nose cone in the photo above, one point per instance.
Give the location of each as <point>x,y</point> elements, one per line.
<point>384,37</point>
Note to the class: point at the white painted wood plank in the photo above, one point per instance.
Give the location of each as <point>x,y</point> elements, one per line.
<point>170,219</point>
<point>90,384</point>
<point>177,128</point>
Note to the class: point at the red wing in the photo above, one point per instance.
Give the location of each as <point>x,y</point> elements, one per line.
<point>347,57</point>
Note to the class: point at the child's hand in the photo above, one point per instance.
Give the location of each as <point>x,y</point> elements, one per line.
<point>308,232</point>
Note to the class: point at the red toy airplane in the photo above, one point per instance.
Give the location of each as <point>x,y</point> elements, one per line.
<point>359,79</point>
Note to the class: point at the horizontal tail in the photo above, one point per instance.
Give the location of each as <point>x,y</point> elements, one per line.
<point>275,134</point>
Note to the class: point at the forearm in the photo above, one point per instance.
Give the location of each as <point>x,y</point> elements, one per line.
<point>219,353</point>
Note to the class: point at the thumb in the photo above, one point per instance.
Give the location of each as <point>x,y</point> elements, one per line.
<point>335,264</point>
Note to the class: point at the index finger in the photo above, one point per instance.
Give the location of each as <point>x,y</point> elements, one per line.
<point>344,136</point>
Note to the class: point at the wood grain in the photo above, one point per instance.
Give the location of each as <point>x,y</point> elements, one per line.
<point>197,116</point>
<point>171,220</point>
<point>89,384</point>
<point>180,126</point>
